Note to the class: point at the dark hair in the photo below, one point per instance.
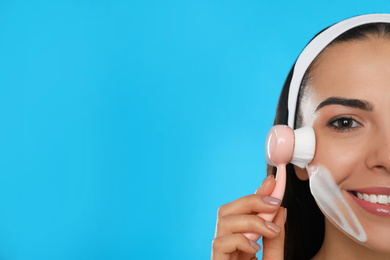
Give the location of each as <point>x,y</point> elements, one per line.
<point>305,226</point>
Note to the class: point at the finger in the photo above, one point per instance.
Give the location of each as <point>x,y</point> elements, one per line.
<point>249,204</point>
<point>224,246</point>
<point>273,247</point>
<point>267,187</point>
<point>246,224</point>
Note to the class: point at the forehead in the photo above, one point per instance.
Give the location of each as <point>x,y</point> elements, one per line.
<point>352,69</point>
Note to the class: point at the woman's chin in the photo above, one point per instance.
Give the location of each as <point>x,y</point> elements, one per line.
<point>378,236</point>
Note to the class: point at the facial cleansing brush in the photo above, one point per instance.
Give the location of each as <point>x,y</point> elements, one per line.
<point>284,145</point>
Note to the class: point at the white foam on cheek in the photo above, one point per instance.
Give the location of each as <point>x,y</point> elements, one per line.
<point>308,105</point>
<point>332,203</point>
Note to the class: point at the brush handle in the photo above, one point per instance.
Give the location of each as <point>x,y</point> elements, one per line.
<point>278,192</point>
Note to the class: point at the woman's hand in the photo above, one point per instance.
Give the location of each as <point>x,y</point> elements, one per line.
<point>240,216</point>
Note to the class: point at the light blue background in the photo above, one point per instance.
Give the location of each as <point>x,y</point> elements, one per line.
<point>126,124</point>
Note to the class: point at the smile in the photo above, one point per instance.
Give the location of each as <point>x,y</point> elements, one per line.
<point>374,198</point>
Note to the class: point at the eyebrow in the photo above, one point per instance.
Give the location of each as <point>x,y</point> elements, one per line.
<point>355,103</point>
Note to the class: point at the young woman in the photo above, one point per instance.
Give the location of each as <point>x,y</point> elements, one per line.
<point>340,86</point>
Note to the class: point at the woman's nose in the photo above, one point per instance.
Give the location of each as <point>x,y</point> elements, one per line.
<point>378,157</point>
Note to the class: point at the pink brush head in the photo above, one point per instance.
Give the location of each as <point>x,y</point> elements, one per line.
<point>284,145</point>
<point>279,145</point>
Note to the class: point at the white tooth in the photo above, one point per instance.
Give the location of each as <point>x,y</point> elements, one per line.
<point>360,196</point>
<point>383,199</point>
<point>366,197</point>
<point>373,198</point>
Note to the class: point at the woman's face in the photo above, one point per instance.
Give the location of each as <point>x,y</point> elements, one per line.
<point>349,90</point>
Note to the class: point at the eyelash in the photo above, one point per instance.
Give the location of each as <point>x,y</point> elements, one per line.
<point>353,122</point>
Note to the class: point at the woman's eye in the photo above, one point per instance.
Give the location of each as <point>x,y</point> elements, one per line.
<point>343,123</point>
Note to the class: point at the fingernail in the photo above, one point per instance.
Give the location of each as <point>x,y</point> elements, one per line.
<point>255,245</point>
<point>267,179</point>
<point>271,200</point>
<point>272,226</point>
<point>285,215</point>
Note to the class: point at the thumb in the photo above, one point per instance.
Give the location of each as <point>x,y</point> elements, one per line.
<point>273,249</point>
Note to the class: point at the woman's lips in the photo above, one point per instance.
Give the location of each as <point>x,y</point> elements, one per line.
<point>374,190</point>
<point>369,200</point>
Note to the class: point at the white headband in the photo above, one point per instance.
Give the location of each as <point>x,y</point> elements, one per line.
<point>316,46</point>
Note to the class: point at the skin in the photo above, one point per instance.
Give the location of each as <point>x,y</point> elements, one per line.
<point>358,153</point>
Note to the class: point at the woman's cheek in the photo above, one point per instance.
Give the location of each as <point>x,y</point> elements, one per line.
<point>340,156</point>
